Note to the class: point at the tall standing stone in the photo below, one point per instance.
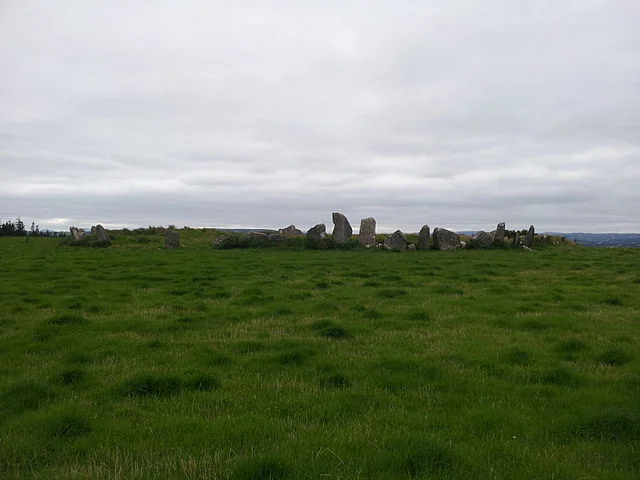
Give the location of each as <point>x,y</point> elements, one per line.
<point>528,240</point>
<point>101,234</point>
<point>341,228</point>
<point>444,239</point>
<point>498,238</point>
<point>516,240</point>
<point>367,232</point>
<point>396,241</point>
<point>424,237</point>
<point>171,239</point>
<point>318,232</point>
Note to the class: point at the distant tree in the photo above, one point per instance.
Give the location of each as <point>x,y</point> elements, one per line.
<point>20,230</point>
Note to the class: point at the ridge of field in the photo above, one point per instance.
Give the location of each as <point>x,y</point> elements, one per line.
<point>134,361</point>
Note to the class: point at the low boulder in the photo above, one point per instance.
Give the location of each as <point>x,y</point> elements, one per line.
<point>396,241</point>
<point>290,231</point>
<point>76,233</point>
<point>444,239</point>
<point>482,240</point>
<point>318,232</point>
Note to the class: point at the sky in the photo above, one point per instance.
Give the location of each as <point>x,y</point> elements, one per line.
<point>453,113</point>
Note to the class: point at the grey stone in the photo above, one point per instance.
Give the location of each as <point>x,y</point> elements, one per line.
<point>423,237</point>
<point>76,233</point>
<point>171,239</point>
<point>528,240</point>
<point>482,240</point>
<point>444,239</point>
<point>341,228</point>
<point>498,238</point>
<point>516,240</point>
<point>411,247</point>
<point>291,231</point>
<point>318,232</point>
<point>367,232</point>
<point>396,241</point>
<point>276,237</point>
<point>100,233</point>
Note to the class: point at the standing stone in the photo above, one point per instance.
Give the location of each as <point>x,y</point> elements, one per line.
<point>341,228</point>
<point>424,237</point>
<point>93,230</point>
<point>76,233</point>
<point>528,240</point>
<point>367,232</point>
<point>516,240</point>
<point>482,240</point>
<point>411,247</point>
<point>396,241</point>
<point>291,231</point>
<point>444,239</point>
<point>318,232</point>
<point>101,234</point>
<point>171,239</point>
<point>498,238</point>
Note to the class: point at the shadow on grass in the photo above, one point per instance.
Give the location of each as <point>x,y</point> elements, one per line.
<point>166,385</point>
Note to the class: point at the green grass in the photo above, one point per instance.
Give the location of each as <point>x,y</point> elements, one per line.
<point>136,362</point>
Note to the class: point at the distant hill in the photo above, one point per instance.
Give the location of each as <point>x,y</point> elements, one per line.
<point>592,239</point>
<point>603,239</point>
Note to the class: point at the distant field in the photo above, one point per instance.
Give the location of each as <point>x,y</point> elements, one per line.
<point>136,362</point>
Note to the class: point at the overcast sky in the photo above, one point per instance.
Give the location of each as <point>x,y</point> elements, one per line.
<point>452,113</point>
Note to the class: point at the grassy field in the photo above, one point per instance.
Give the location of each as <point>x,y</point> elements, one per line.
<point>137,362</point>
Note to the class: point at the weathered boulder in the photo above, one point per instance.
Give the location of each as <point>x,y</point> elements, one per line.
<point>411,247</point>
<point>100,233</point>
<point>528,240</point>
<point>444,239</point>
<point>76,233</point>
<point>342,230</point>
<point>318,232</point>
<point>396,241</point>
<point>291,231</point>
<point>276,237</point>
<point>171,239</point>
<point>482,240</point>
<point>93,230</point>
<point>498,238</point>
<point>367,232</point>
<point>424,237</point>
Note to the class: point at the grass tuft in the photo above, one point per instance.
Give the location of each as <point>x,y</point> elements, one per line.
<point>335,381</point>
<point>615,425</point>
<point>151,386</point>
<point>70,426</point>
<point>262,468</point>
<point>67,320</point>
<point>425,459</point>
<point>615,357</point>
<point>331,330</point>
<point>71,376</point>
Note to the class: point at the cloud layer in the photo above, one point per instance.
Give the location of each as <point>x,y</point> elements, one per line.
<point>261,114</point>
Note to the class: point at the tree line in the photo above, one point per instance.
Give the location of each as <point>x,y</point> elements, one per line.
<point>19,229</point>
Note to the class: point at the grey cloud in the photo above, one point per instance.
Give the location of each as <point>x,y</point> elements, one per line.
<point>245,113</point>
